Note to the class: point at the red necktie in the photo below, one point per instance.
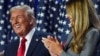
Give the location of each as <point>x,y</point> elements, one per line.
<point>21,49</point>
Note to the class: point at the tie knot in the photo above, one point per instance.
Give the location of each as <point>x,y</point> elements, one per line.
<point>23,40</point>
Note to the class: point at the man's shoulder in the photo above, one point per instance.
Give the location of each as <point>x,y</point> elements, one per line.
<point>43,34</point>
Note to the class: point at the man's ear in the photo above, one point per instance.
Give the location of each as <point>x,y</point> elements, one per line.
<point>31,21</point>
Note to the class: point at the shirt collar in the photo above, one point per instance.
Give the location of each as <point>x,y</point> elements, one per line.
<point>29,35</point>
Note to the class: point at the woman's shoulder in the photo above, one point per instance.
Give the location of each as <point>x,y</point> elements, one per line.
<point>92,33</point>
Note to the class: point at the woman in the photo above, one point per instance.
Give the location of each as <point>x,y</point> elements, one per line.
<point>85,31</point>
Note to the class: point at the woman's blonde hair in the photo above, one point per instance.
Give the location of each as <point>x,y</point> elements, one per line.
<point>83,16</point>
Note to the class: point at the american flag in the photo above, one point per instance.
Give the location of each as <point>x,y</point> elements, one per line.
<point>51,18</point>
<point>97,6</point>
<point>50,15</point>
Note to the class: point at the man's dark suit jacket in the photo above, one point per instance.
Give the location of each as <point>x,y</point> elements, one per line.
<point>36,47</point>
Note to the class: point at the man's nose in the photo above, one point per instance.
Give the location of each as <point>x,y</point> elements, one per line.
<point>14,21</point>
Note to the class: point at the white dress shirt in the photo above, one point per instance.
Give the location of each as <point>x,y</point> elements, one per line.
<point>28,37</point>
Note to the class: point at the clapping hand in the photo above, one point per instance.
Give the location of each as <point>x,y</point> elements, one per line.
<point>53,45</point>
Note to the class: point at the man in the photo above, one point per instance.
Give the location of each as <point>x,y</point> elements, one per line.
<point>29,43</point>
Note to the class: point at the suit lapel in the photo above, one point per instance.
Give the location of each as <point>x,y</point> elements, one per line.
<point>33,44</point>
<point>17,43</point>
<point>13,47</point>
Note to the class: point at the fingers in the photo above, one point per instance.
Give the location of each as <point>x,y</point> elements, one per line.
<point>44,42</point>
<point>50,38</point>
<point>56,40</point>
<point>47,42</point>
<point>51,45</point>
<point>61,43</point>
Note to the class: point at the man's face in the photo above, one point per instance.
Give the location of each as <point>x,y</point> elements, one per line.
<point>20,22</point>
